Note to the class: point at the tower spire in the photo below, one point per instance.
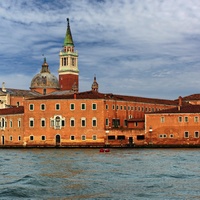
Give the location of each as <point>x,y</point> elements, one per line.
<point>68,41</point>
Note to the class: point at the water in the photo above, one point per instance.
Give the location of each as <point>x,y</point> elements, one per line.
<point>87,174</point>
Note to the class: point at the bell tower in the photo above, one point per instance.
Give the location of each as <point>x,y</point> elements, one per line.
<point>68,69</point>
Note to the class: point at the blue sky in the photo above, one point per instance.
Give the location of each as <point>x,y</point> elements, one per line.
<point>148,48</point>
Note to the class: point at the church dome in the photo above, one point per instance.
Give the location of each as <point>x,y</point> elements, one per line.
<point>44,79</point>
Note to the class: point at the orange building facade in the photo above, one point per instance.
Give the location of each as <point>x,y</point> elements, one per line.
<point>54,114</point>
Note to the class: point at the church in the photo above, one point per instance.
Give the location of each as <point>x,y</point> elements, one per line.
<point>53,113</point>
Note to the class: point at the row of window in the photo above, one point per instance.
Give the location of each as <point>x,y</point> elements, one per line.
<point>58,122</point>
<point>186,135</point>
<point>181,119</point>
<point>135,108</point>
<point>58,106</point>
<point>43,137</point>
<point>66,63</point>
<point>3,123</point>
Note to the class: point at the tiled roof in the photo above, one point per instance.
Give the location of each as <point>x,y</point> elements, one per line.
<point>19,92</point>
<point>97,95</point>
<point>12,110</point>
<point>192,97</point>
<point>183,109</point>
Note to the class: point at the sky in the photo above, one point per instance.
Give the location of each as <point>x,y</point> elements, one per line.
<point>146,48</point>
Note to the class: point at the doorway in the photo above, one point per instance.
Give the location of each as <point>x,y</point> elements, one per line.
<point>2,140</point>
<point>58,140</point>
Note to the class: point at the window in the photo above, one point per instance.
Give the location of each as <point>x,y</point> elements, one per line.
<point>106,106</point>
<point>140,137</point>
<point>31,107</point>
<point>107,122</point>
<point>113,107</point>
<point>124,107</point>
<point>125,122</point>
<point>179,119</point>
<point>94,121</point>
<point>83,106</point>
<point>42,106</point>
<point>111,137</point>
<point>196,134</point>
<point>72,137</point>
<point>186,134</point>
<point>19,137</point>
<point>31,122</point>
<point>43,124</point>
<point>31,137</point>
<point>83,137</point>
<point>196,119</point>
<point>83,122</point>
<point>43,137</point>
<point>121,107</point>
<point>57,122</point>
<point>121,137</point>
<point>11,138</point>
<point>19,123</point>
<point>72,106</point>
<point>171,135</point>
<point>115,123</point>
<point>57,106</point>
<point>63,122</point>
<point>94,106</point>
<point>129,107</point>
<point>162,119</point>
<point>94,137</point>
<point>186,119</point>
<point>72,122</point>
<point>117,107</point>
<point>11,124</point>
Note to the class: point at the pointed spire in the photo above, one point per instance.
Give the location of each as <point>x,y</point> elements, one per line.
<point>68,38</point>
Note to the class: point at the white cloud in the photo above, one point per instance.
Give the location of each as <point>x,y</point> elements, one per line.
<point>151,46</point>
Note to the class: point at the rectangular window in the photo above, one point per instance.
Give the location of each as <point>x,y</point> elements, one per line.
<point>140,137</point>
<point>113,107</point>
<point>43,123</point>
<point>94,122</point>
<point>179,119</point>
<point>72,137</point>
<point>31,122</point>
<point>43,137</point>
<point>125,122</point>
<point>83,122</point>
<point>196,119</point>
<point>107,122</point>
<point>11,138</point>
<point>31,138</point>
<point>186,119</point>
<point>31,107</point>
<point>83,106</point>
<point>94,106</point>
<point>186,134</point>
<point>106,106</point>
<point>111,137</point>
<point>19,123</point>
<point>121,137</point>
<point>162,119</point>
<point>63,122</point>
<point>72,122</point>
<point>52,123</point>
<point>115,123</point>
<point>94,137</point>
<point>196,134</point>
<point>124,107</point>
<point>83,137</point>
<point>19,138</point>
<point>72,106</point>
<point>57,106</point>
<point>11,124</point>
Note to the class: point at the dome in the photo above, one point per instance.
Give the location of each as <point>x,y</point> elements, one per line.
<point>44,79</point>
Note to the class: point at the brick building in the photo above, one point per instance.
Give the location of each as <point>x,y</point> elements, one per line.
<point>53,113</point>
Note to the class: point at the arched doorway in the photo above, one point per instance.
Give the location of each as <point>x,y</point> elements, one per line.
<point>2,140</point>
<point>58,140</point>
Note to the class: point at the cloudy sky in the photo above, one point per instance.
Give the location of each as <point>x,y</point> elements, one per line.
<point>148,48</point>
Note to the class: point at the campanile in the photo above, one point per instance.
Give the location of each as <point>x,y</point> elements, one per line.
<point>68,69</point>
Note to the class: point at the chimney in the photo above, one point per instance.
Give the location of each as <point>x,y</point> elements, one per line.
<point>74,95</point>
<point>179,103</point>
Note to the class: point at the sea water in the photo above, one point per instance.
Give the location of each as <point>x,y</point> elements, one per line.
<point>88,174</point>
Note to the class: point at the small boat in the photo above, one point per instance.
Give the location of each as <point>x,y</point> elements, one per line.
<point>102,150</point>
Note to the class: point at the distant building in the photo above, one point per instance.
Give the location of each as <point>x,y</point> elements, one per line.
<point>53,113</point>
